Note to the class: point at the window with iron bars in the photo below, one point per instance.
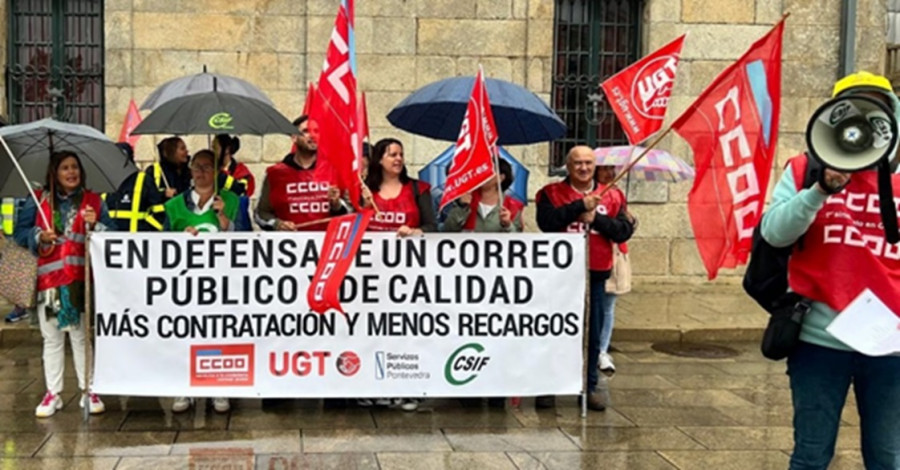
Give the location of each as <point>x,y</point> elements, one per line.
<point>593,39</point>
<point>55,66</point>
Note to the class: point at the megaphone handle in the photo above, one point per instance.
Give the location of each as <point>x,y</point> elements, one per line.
<point>886,201</point>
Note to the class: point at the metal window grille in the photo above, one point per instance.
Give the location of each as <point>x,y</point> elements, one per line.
<point>593,39</point>
<point>55,66</point>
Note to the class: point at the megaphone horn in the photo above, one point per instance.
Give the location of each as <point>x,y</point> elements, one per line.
<point>852,133</point>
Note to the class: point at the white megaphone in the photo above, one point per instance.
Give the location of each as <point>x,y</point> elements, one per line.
<point>852,133</point>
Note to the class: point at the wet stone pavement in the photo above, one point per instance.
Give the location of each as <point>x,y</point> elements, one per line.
<point>665,412</point>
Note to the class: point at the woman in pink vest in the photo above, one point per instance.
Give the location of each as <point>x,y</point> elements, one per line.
<point>404,206</point>
<point>70,211</point>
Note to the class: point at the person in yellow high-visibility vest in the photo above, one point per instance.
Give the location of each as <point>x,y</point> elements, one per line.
<point>8,208</point>
<point>137,205</point>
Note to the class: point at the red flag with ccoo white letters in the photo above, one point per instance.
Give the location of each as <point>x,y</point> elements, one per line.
<point>733,130</point>
<point>342,239</point>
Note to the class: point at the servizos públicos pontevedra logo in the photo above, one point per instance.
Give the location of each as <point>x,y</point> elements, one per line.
<point>465,363</point>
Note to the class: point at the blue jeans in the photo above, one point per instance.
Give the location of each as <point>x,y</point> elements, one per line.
<point>595,325</point>
<point>820,378</point>
<point>606,323</point>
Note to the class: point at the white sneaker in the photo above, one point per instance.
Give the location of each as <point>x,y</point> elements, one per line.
<point>364,402</point>
<point>181,404</point>
<point>409,404</point>
<point>49,405</point>
<point>221,405</point>
<point>606,363</point>
<point>97,405</point>
<point>383,402</point>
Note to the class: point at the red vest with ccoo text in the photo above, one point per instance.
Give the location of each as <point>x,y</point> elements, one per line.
<point>297,196</point>
<point>844,251</point>
<point>601,251</point>
<point>399,211</point>
<point>65,263</point>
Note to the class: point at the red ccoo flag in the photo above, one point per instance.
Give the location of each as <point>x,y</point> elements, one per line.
<point>132,119</point>
<point>342,239</point>
<point>733,130</point>
<point>334,108</point>
<point>639,94</point>
<point>477,144</point>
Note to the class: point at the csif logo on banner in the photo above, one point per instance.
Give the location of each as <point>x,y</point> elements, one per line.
<point>465,363</point>
<point>228,365</point>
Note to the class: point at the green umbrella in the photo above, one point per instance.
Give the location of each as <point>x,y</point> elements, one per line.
<point>215,112</point>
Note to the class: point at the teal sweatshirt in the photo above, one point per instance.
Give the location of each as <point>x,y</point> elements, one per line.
<point>789,216</point>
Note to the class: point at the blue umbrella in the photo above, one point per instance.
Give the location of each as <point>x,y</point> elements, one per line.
<point>435,174</point>
<point>436,110</point>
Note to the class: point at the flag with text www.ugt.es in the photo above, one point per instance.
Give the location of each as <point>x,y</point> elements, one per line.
<point>334,109</point>
<point>342,239</point>
<point>732,129</point>
<point>473,156</point>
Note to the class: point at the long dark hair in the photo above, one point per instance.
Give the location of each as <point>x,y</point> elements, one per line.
<point>375,176</point>
<point>56,159</point>
<point>167,148</point>
<point>233,144</point>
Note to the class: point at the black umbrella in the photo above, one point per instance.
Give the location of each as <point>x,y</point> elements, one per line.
<point>215,112</point>
<point>201,83</point>
<point>31,144</point>
<point>437,109</point>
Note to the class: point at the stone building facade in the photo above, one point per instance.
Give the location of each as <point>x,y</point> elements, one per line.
<point>404,44</point>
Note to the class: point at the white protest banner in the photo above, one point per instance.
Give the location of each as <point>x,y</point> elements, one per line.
<point>441,315</point>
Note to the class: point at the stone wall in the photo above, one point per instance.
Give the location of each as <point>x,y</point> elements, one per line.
<point>404,44</point>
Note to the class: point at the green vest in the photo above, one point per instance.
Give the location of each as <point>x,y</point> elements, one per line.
<point>180,217</point>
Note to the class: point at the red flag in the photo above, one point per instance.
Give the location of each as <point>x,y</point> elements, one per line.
<point>472,158</point>
<point>342,239</point>
<point>639,94</point>
<point>334,108</point>
<point>310,96</point>
<point>362,119</point>
<point>733,130</point>
<point>132,119</point>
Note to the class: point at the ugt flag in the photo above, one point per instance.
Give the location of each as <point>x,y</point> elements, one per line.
<point>334,108</point>
<point>342,239</point>
<point>733,130</point>
<point>639,94</point>
<point>477,144</point>
<point>132,119</point>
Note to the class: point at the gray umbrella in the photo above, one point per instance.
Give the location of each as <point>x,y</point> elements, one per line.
<point>202,83</point>
<point>215,112</point>
<point>105,165</point>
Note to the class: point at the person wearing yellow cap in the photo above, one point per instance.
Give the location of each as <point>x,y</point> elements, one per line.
<point>832,221</point>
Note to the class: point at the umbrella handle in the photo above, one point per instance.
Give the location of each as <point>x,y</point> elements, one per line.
<point>25,179</point>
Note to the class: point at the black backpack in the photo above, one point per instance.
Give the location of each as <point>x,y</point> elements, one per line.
<point>766,281</point>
